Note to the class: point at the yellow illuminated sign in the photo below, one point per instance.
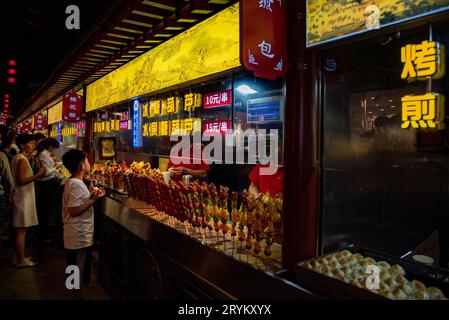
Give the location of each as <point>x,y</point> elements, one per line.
<point>164,128</point>
<point>210,47</point>
<point>167,127</point>
<point>155,108</point>
<point>192,101</point>
<point>425,111</point>
<point>69,131</point>
<point>153,129</point>
<point>146,110</point>
<point>423,61</point>
<point>175,126</point>
<point>172,105</point>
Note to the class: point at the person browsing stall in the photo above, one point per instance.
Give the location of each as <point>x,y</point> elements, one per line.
<point>24,203</point>
<point>47,185</point>
<point>78,213</point>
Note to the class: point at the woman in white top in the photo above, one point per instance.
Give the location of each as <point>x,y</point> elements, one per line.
<point>46,186</point>
<point>24,205</point>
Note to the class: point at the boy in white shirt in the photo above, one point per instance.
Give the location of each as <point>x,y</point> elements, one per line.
<point>78,214</point>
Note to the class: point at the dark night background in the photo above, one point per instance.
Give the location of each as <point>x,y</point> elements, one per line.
<point>34,34</point>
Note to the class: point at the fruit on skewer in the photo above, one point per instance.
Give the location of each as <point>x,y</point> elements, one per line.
<point>234,213</point>
<point>243,216</point>
<point>224,214</point>
<point>249,225</point>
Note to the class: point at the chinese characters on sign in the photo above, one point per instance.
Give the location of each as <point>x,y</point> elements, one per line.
<point>68,131</point>
<point>155,108</point>
<point>192,101</point>
<point>264,44</point>
<point>426,111</point>
<point>423,61</point>
<point>167,127</point>
<point>221,127</point>
<point>217,99</point>
<point>72,107</point>
<point>172,105</point>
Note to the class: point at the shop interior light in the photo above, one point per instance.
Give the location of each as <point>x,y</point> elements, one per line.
<point>245,89</point>
<point>382,110</point>
<point>373,98</point>
<point>390,100</point>
<point>392,106</point>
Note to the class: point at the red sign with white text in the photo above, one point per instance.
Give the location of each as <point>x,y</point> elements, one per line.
<point>221,127</point>
<point>40,121</point>
<point>26,127</point>
<point>123,125</point>
<point>80,125</point>
<point>72,107</point>
<point>263,47</point>
<point>217,99</point>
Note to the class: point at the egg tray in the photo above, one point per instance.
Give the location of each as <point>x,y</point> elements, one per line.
<point>338,289</point>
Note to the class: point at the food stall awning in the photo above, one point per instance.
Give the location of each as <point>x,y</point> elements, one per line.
<point>133,28</point>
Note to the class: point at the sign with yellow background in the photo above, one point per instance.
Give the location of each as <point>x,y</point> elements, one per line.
<point>328,20</point>
<point>55,113</point>
<point>210,47</point>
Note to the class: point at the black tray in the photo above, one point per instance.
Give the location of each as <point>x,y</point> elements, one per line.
<point>337,289</point>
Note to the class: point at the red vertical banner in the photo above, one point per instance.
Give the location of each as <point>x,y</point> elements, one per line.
<point>26,127</point>
<point>40,121</point>
<point>263,43</point>
<point>72,107</point>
